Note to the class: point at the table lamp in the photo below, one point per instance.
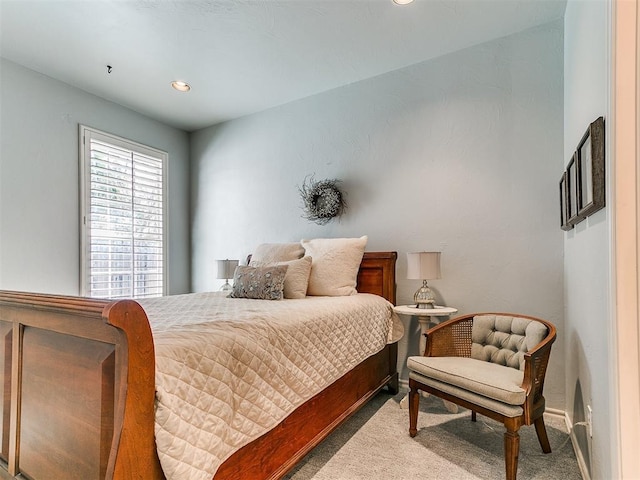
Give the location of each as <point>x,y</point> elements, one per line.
<point>226,269</point>
<point>423,266</point>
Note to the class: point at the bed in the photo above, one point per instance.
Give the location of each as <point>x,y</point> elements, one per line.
<point>79,391</point>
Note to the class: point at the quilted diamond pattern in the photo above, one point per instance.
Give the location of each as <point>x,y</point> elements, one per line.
<point>228,370</point>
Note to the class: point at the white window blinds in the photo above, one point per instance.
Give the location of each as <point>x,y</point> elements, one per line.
<point>124,221</point>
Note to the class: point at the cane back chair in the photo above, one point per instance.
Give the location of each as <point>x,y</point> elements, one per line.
<point>493,364</point>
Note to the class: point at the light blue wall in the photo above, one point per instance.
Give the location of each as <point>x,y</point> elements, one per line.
<point>458,154</point>
<point>39,212</point>
<point>586,247</point>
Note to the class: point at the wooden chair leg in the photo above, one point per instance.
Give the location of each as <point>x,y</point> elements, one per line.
<point>414,405</point>
<point>542,434</point>
<point>473,416</point>
<point>511,451</point>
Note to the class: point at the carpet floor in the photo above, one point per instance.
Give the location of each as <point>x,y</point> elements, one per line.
<point>375,444</point>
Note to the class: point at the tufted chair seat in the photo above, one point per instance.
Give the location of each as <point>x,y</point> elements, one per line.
<point>491,363</point>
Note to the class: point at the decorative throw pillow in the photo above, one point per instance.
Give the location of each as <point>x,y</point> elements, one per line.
<point>261,283</point>
<point>335,265</point>
<point>277,252</point>
<point>297,278</point>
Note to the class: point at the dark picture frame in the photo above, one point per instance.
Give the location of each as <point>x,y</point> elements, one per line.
<point>572,191</point>
<point>591,170</point>
<point>564,200</point>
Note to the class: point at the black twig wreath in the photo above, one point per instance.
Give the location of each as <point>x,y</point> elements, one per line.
<point>322,200</point>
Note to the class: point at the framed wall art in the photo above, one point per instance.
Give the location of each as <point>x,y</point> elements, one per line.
<point>564,201</point>
<point>572,191</point>
<point>582,185</point>
<point>591,170</point>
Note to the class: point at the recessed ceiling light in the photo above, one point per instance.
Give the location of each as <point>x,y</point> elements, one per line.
<point>402,2</point>
<point>181,86</point>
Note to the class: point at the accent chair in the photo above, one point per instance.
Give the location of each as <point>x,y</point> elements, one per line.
<point>493,364</point>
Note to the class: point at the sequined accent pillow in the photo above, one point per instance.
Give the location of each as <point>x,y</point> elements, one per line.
<point>260,283</point>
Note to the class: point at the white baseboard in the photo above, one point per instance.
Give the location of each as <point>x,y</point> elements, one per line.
<point>582,465</point>
<point>555,412</point>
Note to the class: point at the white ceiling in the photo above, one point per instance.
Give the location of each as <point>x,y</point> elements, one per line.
<point>242,56</point>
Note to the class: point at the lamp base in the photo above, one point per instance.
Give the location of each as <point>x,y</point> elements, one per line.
<point>226,287</point>
<point>424,297</point>
<point>425,305</point>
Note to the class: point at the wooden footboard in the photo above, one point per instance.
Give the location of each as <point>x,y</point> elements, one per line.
<point>78,379</point>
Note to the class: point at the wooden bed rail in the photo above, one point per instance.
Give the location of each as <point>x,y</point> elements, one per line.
<point>77,401</point>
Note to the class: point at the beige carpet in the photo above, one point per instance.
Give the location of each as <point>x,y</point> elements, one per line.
<point>375,444</point>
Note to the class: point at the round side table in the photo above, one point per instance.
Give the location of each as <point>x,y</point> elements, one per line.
<point>426,316</point>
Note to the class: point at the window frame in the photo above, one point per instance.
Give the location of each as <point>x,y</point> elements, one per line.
<point>84,139</point>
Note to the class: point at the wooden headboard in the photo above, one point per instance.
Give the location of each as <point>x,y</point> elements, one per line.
<point>377,274</point>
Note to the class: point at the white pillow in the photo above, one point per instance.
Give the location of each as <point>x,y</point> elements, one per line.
<point>335,265</point>
<point>297,277</point>
<point>277,252</point>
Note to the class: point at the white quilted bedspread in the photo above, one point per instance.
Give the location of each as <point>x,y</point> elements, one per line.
<point>228,370</point>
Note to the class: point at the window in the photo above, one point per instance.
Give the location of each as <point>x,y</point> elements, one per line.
<point>123,217</point>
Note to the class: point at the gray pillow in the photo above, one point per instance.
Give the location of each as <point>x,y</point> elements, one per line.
<point>260,283</point>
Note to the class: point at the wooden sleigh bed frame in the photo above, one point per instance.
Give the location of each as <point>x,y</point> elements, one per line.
<point>78,378</point>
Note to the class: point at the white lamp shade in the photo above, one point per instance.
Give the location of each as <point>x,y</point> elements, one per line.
<point>226,268</point>
<point>423,265</point>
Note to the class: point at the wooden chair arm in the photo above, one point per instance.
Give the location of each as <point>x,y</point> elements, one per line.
<point>535,369</point>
